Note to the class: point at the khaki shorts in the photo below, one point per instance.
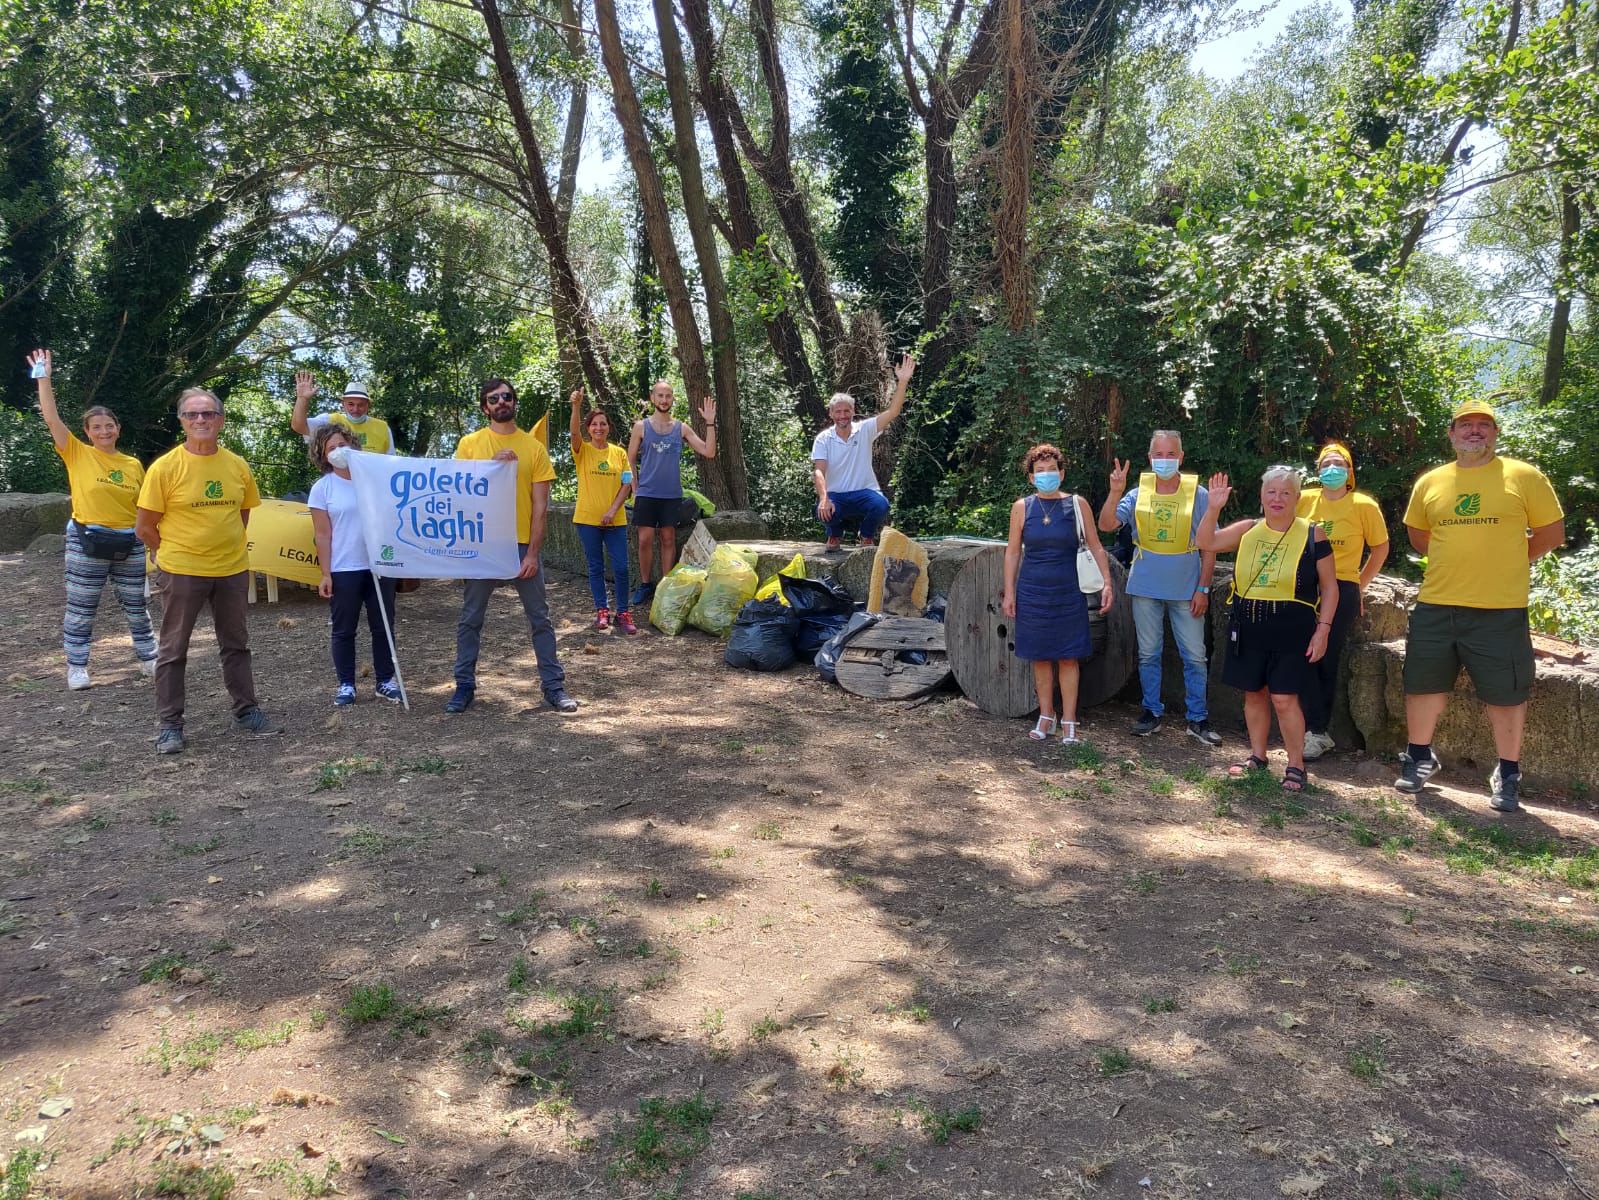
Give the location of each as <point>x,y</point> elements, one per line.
<point>1493,644</point>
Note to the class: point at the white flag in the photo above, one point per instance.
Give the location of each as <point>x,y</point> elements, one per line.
<point>437,518</point>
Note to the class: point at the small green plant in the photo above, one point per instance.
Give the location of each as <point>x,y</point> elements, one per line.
<point>1146,883</point>
<point>1112,1063</point>
<point>586,1013</point>
<point>367,842</point>
<point>583,926</point>
<point>8,919</point>
<point>724,853</point>
<point>1273,819</point>
<point>654,889</point>
<point>163,966</point>
<point>196,849</point>
<point>419,1019</point>
<point>1366,1061</point>
<point>98,822</point>
<point>667,1135</point>
<point>712,1020</point>
<point>200,1183</point>
<point>1080,756</point>
<point>249,1040</point>
<point>368,1003</point>
<point>526,912</point>
<point>519,978</point>
<point>163,817</point>
<point>732,745</point>
<point>427,764</point>
<point>1242,964</point>
<point>21,1172</point>
<point>300,1182</point>
<point>195,1053</point>
<point>1163,785</point>
<point>765,1028</point>
<point>331,776</point>
<point>1154,1005</point>
<point>940,1123</point>
<point>768,831</point>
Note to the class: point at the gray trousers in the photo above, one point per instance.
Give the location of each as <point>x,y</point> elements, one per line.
<point>469,630</point>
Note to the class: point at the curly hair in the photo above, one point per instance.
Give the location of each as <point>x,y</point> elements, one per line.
<point>317,451</point>
<point>1041,451</point>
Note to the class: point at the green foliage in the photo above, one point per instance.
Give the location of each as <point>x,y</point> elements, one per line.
<point>28,460</point>
<point>1565,593</point>
<point>667,1135</point>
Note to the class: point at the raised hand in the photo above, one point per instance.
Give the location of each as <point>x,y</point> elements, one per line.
<point>905,369</point>
<point>1219,491</point>
<point>576,398</point>
<point>304,385</point>
<point>1118,475</point>
<point>708,410</point>
<point>41,356</point>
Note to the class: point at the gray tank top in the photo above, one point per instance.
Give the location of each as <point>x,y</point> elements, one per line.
<point>660,459</point>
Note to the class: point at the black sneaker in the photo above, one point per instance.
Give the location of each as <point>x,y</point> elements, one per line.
<point>1147,724</point>
<point>461,701</point>
<point>1200,731</point>
<point>1413,775</point>
<point>560,702</point>
<point>169,740</point>
<point>1505,791</point>
<point>253,720</point>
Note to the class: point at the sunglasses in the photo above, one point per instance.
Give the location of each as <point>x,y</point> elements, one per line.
<point>496,397</point>
<point>209,414</point>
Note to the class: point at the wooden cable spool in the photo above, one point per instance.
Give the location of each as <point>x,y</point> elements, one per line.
<point>981,641</point>
<point>872,663</point>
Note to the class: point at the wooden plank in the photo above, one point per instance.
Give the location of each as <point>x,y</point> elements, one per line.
<point>899,576</point>
<point>870,666</point>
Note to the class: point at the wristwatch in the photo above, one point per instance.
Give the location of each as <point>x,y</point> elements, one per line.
<point>1203,589</point>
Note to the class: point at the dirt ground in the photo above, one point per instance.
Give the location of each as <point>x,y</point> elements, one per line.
<point>728,935</point>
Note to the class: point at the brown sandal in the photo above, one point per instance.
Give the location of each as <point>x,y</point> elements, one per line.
<point>1294,779</point>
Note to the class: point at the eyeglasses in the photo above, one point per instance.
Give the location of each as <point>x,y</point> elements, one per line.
<point>209,414</point>
<point>496,397</point>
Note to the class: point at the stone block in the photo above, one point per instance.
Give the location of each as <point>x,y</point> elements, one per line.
<point>26,515</point>
<point>48,545</point>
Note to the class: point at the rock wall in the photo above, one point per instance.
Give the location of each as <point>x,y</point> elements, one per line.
<point>26,515</point>
<point>563,550</point>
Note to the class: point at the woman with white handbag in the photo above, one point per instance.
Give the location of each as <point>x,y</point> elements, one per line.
<point>1053,562</point>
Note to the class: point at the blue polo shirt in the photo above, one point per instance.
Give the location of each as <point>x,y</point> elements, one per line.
<point>1164,576</point>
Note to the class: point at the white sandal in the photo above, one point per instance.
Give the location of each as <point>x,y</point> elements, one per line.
<point>1042,731</point>
<point>1069,736</point>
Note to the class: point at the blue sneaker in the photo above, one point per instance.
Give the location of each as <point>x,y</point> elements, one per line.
<point>388,690</point>
<point>345,696</point>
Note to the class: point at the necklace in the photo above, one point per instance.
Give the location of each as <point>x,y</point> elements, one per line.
<point>1048,520</point>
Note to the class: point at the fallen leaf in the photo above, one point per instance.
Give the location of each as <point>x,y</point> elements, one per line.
<point>1381,1138</point>
<point>33,1133</point>
<point>311,1150</point>
<point>764,1084</point>
<point>1287,1020</point>
<point>1352,962</point>
<point>1306,1183</point>
<point>255,1125</point>
<point>213,879</point>
<point>283,1095</point>
<point>192,976</point>
<point>390,1137</point>
<point>212,1133</point>
<point>243,952</point>
<point>58,1106</point>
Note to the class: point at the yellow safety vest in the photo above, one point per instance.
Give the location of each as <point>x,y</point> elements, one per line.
<point>1165,523</point>
<point>1268,561</point>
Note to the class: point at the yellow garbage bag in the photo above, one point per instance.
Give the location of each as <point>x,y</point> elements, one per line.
<point>748,553</point>
<point>674,598</point>
<point>772,589</point>
<point>729,583</point>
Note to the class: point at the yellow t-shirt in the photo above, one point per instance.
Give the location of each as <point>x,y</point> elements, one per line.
<point>1351,523</point>
<point>599,478</point>
<point>532,466</point>
<point>1478,518</point>
<point>104,487</point>
<point>200,497</point>
<point>371,434</point>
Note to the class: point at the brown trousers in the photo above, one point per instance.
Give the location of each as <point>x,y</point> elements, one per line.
<point>183,597</point>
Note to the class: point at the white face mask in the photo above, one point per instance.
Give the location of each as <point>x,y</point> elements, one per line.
<point>339,457</point>
<point>361,420</point>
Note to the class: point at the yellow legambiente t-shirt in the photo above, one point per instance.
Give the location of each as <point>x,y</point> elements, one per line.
<point>200,497</point>
<point>1351,523</point>
<point>1478,518</point>
<point>532,466</point>
<point>599,478</point>
<point>371,435</point>
<point>104,487</point>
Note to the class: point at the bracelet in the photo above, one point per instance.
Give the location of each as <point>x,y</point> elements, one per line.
<point>1327,624</point>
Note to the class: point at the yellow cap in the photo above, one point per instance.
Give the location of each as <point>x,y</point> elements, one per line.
<point>1475,408</point>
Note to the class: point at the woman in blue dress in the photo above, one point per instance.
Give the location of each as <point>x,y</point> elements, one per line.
<point>1041,591</point>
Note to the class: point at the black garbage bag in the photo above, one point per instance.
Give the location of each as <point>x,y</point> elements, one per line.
<point>816,596</point>
<point>763,637</point>
<point>827,657</point>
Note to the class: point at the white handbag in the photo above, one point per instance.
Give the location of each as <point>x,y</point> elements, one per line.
<point>1089,578</point>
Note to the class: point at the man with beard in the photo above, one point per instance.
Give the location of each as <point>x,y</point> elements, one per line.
<point>655,451</point>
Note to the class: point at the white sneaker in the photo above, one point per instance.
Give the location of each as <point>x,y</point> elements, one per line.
<point>1317,744</point>
<point>78,678</point>
<point>147,668</point>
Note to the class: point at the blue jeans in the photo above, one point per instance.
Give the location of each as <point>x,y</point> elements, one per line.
<point>469,629</point>
<point>868,507</point>
<point>598,541</point>
<point>1149,618</point>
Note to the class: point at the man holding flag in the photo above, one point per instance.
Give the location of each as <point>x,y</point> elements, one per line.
<point>502,440</point>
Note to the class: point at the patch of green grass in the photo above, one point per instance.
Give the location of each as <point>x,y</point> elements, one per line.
<point>8,919</point>
<point>163,817</point>
<point>163,966</point>
<point>298,1182</point>
<point>419,1019</point>
<point>249,1040</point>
<point>332,776</point>
<point>940,1124</point>
<point>1081,756</point>
<point>1393,847</point>
<point>519,977</point>
<point>667,1135</point>
<point>1366,1061</point>
<point>98,822</point>
<point>1111,1063</point>
<point>195,1053</point>
<point>1471,849</point>
<point>713,1021</point>
<point>368,1003</point>
<point>427,764</point>
<point>732,745</point>
<point>369,842</point>
<point>1163,785</point>
<point>1155,1005</point>
<point>201,1183</point>
<point>1273,819</point>
<point>586,1013</point>
<point>526,912</point>
<point>1242,964</point>
<point>768,831</point>
<point>583,926</point>
<point>482,1044</point>
<point>1146,883</point>
<point>196,849</point>
<point>765,1028</point>
<point>1416,1185</point>
<point>21,1172</point>
<point>654,889</point>
<point>918,1013</point>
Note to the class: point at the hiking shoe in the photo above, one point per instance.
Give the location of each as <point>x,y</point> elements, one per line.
<point>643,594</point>
<point>253,720</point>
<point>1317,744</point>
<point>461,701</point>
<point>624,622</point>
<point>147,668</point>
<point>1414,775</point>
<point>834,545</point>
<point>345,696</point>
<point>388,690</point>
<point>868,543</point>
<point>169,740</point>
<point>560,702</point>
<point>1201,732</point>
<point>602,619</point>
<point>78,678</point>
<point>1505,791</point>
<point>1146,724</point>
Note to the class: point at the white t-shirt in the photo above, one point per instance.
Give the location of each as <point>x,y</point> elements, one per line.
<point>337,498</point>
<point>849,464</point>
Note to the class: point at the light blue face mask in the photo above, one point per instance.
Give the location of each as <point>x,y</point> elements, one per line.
<point>1164,468</point>
<point>361,420</point>
<point>1046,481</point>
<point>1333,478</point>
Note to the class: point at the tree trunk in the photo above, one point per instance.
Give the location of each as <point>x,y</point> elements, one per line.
<point>1016,169</point>
<point>546,218</point>
<point>1554,360</point>
<point>566,192</point>
<point>729,461</point>
<point>657,219</point>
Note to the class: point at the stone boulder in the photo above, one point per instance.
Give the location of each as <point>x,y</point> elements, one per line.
<point>26,515</point>
<point>48,545</point>
<point>564,551</point>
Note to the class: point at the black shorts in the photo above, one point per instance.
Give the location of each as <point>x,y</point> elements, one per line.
<point>655,512</point>
<point>1493,644</point>
<point>1281,672</point>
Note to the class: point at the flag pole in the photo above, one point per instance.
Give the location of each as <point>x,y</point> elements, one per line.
<point>383,611</point>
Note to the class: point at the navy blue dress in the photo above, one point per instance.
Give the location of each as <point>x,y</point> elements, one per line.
<point>1051,612</point>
